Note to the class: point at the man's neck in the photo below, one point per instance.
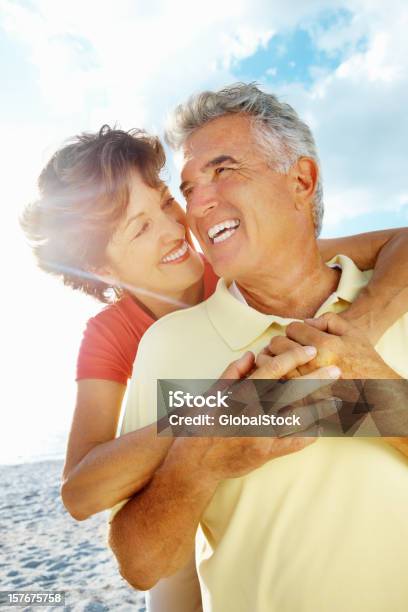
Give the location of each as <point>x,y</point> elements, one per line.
<point>297,292</point>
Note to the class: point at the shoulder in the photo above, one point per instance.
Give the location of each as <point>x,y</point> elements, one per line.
<point>123,316</point>
<point>175,327</point>
<point>110,341</point>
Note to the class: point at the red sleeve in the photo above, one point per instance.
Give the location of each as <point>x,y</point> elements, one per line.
<point>108,348</point>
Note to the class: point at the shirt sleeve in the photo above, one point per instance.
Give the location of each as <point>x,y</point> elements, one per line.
<point>107,350</point>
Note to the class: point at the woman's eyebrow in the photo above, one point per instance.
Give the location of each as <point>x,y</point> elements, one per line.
<point>131,219</point>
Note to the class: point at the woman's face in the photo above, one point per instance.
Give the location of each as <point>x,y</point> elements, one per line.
<point>149,249</point>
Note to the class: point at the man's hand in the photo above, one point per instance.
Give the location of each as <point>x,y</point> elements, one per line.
<point>218,458</point>
<point>252,389</point>
<point>153,535</point>
<point>338,343</point>
<point>351,350</point>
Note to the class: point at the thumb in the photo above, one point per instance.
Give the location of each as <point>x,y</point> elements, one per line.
<point>240,367</point>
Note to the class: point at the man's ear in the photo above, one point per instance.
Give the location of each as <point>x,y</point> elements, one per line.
<point>305,175</point>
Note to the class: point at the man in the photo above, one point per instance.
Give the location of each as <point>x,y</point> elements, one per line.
<point>319,530</point>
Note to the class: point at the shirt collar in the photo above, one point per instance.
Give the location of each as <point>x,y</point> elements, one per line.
<point>240,325</point>
<point>233,289</point>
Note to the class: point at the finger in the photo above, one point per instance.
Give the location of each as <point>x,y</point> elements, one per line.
<point>282,347</point>
<point>328,372</point>
<point>240,367</point>
<point>306,438</point>
<point>306,335</point>
<point>293,391</point>
<point>276,367</point>
<point>292,443</point>
<point>307,415</point>
<point>293,373</point>
<point>330,323</point>
<point>280,344</point>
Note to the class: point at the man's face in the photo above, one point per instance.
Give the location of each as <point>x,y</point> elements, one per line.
<point>241,211</point>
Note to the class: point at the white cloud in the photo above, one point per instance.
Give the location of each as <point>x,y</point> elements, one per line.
<point>358,112</point>
<point>105,61</point>
<point>132,62</point>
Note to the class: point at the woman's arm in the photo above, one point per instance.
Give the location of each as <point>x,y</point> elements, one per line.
<point>385,298</point>
<point>101,470</point>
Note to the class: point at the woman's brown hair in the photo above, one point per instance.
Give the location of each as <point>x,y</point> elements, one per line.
<point>83,194</point>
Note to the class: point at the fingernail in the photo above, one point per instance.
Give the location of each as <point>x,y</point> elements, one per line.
<point>310,350</point>
<point>333,371</point>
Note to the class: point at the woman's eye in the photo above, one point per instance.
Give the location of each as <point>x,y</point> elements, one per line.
<point>144,227</point>
<point>169,203</point>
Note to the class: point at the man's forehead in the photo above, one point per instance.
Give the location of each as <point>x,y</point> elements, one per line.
<point>225,136</point>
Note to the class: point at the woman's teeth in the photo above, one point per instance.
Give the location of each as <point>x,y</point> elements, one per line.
<point>223,231</point>
<point>176,254</point>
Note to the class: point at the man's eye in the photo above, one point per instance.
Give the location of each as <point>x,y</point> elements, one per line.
<point>142,230</point>
<point>222,169</point>
<point>187,192</point>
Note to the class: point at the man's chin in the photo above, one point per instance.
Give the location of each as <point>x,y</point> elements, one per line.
<point>226,264</point>
<point>228,272</point>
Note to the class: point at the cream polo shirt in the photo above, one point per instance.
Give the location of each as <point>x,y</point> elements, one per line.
<point>321,530</point>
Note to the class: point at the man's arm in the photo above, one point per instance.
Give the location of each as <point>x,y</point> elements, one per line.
<point>348,348</point>
<point>153,535</point>
<point>385,299</point>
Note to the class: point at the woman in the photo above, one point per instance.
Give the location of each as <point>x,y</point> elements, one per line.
<point>108,225</point>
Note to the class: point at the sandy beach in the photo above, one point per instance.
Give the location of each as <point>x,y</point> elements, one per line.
<point>43,548</point>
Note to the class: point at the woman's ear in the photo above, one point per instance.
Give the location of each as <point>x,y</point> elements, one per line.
<point>102,272</point>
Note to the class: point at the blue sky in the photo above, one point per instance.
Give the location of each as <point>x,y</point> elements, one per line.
<point>291,55</point>
<point>72,66</point>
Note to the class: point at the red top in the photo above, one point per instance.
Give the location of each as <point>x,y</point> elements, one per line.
<point>111,338</point>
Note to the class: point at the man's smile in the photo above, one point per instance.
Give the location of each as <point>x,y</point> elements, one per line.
<point>220,232</point>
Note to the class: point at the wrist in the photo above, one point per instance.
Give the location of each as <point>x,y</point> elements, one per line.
<point>362,315</point>
<point>186,462</point>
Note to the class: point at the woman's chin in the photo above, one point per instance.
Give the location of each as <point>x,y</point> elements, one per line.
<point>186,273</point>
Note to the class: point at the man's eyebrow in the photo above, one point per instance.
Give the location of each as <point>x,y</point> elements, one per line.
<point>219,160</point>
<point>211,164</point>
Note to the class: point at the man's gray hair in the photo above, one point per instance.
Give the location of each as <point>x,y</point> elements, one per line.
<point>278,131</point>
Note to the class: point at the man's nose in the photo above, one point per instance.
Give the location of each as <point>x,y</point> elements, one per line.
<point>202,201</point>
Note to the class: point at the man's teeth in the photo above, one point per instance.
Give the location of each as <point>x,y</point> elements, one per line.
<point>176,254</point>
<point>224,236</point>
<point>230,224</point>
